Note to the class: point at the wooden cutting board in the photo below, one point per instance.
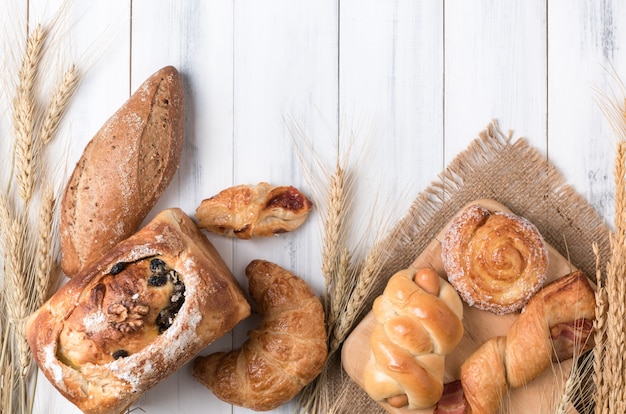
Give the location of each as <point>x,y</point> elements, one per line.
<point>540,396</point>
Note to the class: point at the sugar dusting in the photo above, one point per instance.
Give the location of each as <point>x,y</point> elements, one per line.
<point>139,369</point>
<point>95,322</point>
<point>52,365</point>
<point>461,268</point>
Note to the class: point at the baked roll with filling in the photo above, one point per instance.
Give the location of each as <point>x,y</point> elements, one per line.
<point>496,261</point>
<point>418,322</point>
<point>133,317</point>
<point>247,211</point>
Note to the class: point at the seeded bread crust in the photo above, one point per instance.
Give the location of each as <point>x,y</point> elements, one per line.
<point>123,171</point>
<point>214,303</point>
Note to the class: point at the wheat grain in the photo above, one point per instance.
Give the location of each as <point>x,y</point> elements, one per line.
<point>369,271</point>
<point>24,113</point>
<point>340,286</point>
<point>59,103</point>
<point>44,268</point>
<point>599,326</point>
<point>335,216</point>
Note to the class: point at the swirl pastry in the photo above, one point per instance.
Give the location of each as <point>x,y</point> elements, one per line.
<point>418,322</point>
<point>247,211</point>
<point>136,315</point>
<point>496,261</point>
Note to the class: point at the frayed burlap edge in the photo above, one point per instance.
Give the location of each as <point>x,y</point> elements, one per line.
<point>512,173</point>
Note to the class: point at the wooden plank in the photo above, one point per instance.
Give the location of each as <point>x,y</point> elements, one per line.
<point>95,38</point>
<point>285,68</point>
<point>196,38</point>
<point>586,43</point>
<point>391,108</point>
<point>285,71</point>
<point>83,34</point>
<point>495,67</point>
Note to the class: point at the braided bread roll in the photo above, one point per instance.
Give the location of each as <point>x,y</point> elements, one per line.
<point>285,352</point>
<point>555,325</point>
<point>418,322</point>
<point>496,261</point>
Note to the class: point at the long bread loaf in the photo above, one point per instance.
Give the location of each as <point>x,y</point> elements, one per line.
<point>123,171</point>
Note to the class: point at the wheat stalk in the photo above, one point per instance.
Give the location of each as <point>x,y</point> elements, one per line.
<point>45,267</point>
<point>59,103</point>
<point>28,212</point>
<point>609,369</point>
<point>24,113</point>
<point>333,225</point>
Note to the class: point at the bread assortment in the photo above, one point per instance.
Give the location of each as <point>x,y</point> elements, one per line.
<point>496,261</point>
<point>284,353</point>
<point>247,211</point>
<point>418,322</point>
<point>142,302</point>
<point>136,315</point>
<point>123,171</point>
<point>503,359</point>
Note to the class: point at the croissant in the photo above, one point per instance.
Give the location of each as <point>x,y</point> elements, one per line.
<point>247,211</point>
<point>283,354</point>
<point>496,261</point>
<point>555,325</point>
<point>418,322</point>
<point>136,315</point>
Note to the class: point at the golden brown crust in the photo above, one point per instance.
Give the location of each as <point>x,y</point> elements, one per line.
<point>528,349</point>
<point>483,377</point>
<point>283,354</point>
<point>414,331</point>
<point>496,261</point>
<point>123,171</point>
<point>564,301</point>
<point>260,210</point>
<point>108,306</point>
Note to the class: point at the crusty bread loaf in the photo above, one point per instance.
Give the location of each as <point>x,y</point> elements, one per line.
<point>123,171</point>
<point>136,315</point>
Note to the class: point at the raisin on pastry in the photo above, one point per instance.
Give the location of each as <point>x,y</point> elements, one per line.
<point>133,317</point>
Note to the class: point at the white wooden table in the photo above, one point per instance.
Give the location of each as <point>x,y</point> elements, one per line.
<point>408,83</point>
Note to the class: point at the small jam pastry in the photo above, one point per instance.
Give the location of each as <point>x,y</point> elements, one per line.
<point>496,261</point>
<point>247,211</point>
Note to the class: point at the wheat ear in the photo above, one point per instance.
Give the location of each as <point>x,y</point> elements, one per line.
<point>609,369</point>
<point>44,267</point>
<point>59,103</point>
<point>368,272</point>
<point>24,113</point>
<point>335,215</point>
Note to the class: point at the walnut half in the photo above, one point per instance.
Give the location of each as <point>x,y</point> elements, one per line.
<point>127,316</point>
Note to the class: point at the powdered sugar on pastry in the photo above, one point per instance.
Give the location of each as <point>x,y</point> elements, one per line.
<point>496,261</point>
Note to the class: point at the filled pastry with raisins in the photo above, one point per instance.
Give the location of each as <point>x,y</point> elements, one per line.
<point>133,317</point>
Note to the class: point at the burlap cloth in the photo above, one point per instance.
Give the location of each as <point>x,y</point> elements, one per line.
<point>510,172</point>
